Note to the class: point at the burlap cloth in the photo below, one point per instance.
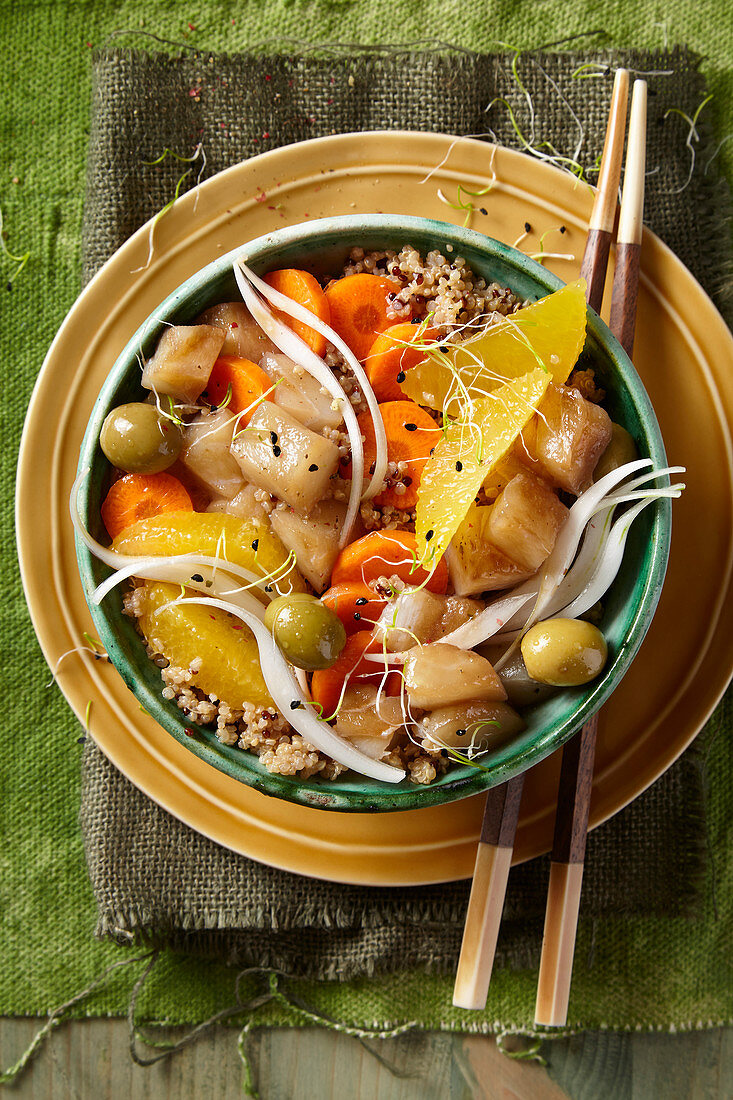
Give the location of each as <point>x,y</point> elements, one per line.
<point>154,878</point>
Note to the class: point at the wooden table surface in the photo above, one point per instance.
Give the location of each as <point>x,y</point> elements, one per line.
<point>90,1061</point>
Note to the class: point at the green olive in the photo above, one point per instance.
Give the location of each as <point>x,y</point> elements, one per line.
<point>564,652</point>
<point>620,450</point>
<point>137,439</point>
<point>308,633</point>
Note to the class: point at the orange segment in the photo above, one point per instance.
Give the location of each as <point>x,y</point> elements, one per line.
<point>230,663</point>
<point>464,457</point>
<point>252,545</point>
<point>549,333</point>
<point>304,289</point>
<point>139,496</point>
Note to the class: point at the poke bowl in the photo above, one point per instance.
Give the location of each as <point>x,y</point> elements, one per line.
<point>408,743</point>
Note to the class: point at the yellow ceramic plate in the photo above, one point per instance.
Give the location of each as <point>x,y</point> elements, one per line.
<point>683,352</point>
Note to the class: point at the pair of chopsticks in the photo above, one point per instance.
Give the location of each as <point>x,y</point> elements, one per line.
<point>496,843</point>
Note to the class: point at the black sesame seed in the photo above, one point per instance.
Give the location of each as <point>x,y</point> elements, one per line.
<point>255,544</point>
<point>277,451</point>
<point>295,704</point>
<point>357,615</point>
<point>432,450</point>
<point>527,227</point>
<point>313,467</point>
<point>443,752</point>
<point>410,427</point>
<point>361,601</point>
<point>273,438</point>
<point>401,376</point>
<point>429,535</point>
<point>407,480</point>
<point>268,588</point>
<point>80,740</point>
<point>460,733</point>
<point>197,577</point>
<point>372,468</point>
<point>563,229</point>
<point>459,466</point>
<point>443,347</point>
<point>483,210</point>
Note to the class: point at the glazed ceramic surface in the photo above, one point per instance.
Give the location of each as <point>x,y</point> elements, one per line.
<point>683,353</point>
<point>323,247</point>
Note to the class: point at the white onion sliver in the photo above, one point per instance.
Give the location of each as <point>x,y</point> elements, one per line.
<point>300,313</point>
<point>608,565</point>
<point>296,349</point>
<point>109,557</point>
<point>487,622</point>
<point>180,563</point>
<point>217,581</point>
<point>284,689</point>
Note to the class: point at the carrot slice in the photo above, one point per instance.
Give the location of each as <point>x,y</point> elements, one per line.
<point>139,496</point>
<point>387,554</point>
<point>248,383</point>
<point>304,289</point>
<point>359,305</point>
<point>327,683</point>
<point>388,358</point>
<point>355,603</point>
<point>411,435</point>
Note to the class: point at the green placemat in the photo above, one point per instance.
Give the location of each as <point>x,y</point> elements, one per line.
<point>661,973</point>
<point>157,881</point>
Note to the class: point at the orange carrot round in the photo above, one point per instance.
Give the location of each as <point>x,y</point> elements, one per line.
<point>303,288</point>
<point>388,359</point>
<point>411,435</point>
<point>356,605</point>
<point>359,305</point>
<point>242,380</point>
<point>387,554</point>
<point>327,684</point>
<point>139,496</point>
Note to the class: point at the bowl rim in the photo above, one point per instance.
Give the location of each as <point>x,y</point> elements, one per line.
<point>466,781</point>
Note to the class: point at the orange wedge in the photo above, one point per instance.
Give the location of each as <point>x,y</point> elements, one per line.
<point>549,334</point>
<point>469,450</point>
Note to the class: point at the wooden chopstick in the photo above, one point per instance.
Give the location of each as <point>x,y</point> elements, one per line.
<point>603,215</point>
<point>576,774</point>
<point>501,812</point>
<point>488,890</point>
<point>630,225</point>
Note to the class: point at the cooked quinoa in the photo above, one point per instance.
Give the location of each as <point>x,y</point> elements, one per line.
<point>447,289</point>
<point>458,303</point>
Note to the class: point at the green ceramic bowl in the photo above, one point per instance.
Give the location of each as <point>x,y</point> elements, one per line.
<point>322,247</point>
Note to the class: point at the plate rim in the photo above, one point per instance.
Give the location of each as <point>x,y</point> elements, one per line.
<point>279,153</point>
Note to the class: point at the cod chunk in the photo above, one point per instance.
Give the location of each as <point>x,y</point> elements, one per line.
<point>300,394</point>
<point>280,455</point>
<point>525,520</point>
<point>183,361</point>
<point>314,539</point>
<point>570,435</point>
<point>206,452</point>
<point>474,563</point>
<point>243,337</point>
<point>441,675</point>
